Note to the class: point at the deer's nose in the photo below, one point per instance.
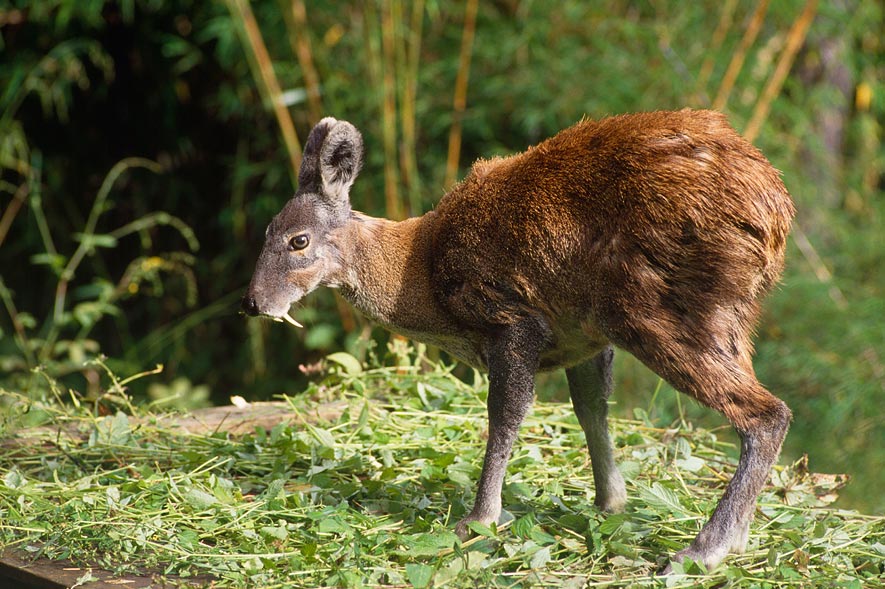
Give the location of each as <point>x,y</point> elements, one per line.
<point>249,306</point>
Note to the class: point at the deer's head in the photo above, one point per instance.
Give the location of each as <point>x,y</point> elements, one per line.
<point>300,251</point>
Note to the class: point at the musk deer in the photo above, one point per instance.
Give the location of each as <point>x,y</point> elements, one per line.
<point>657,233</point>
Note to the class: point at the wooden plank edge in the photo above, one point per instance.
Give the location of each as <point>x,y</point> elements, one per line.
<point>236,420</point>
<point>18,570</point>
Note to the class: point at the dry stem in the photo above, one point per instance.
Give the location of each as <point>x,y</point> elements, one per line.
<point>460,99</point>
<point>268,80</point>
<point>795,38</point>
<point>737,59</point>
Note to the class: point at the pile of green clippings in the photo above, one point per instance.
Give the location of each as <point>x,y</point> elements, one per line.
<point>370,498</point>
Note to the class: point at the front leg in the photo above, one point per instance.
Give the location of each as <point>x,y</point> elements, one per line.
<point>513,360</point>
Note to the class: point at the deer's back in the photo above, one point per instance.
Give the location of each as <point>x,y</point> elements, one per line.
<point>673,205</point>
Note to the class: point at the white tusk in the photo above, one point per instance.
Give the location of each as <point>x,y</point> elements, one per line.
<point>289,318</point>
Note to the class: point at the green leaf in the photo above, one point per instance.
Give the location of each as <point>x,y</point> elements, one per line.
<point>351,365</point>
<point>55,261</point>
<point>540,558</point>
<point>662,498</point>
<point>522,527</point>
<point>364,416</point>
<point>85,578</point>
<point>320,337</point>
<point>188,538</point>
<point>275,532</point>
<point>574,522</point>
<point>541,537</point>
<point>27,320</point>
<point>88,313</point>
<point>323,436</point>
<point>114,431</point>
<point>693,567</point>
<point>333,525</point>
<point>449,572</point>
<point>482,529</point>
<point>419,575</point>
<point>632,439</point>
<point>461,473</point>
<point>613,523</point>
<point>14,479</point>
<point>198,499</point>
<point>690,464</point>
<point>477,559</point>
<point>273,489</point>
<point>430,544</point>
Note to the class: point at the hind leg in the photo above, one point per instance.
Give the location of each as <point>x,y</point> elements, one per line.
<point>761,420</point>
<point>729,526</point>
<point>715,369</point>
<point>590,386</point>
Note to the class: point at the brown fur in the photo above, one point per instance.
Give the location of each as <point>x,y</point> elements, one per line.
<point>658,227</point>
<point>657,232</point>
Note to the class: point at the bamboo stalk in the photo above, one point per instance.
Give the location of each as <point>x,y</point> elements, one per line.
<point>267,79</point>
<point>373,66</point>
<point>726,20</point>
<point>740,54</point>
<point>795,38</point>
<point>302,49</point>
<point>460,98</point>
<point>408,152</point>
<point>408,115</point>
<point>388,111</point>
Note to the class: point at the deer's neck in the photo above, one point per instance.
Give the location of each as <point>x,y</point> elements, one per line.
<point>386,274</point>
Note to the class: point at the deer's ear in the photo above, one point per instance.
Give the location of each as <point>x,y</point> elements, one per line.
<point>332,159</point>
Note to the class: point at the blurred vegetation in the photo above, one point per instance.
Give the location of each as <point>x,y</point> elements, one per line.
<point>145,144</point>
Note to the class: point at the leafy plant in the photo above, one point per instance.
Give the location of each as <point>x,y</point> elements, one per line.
<point>43,344</point>
<point>370,497</point>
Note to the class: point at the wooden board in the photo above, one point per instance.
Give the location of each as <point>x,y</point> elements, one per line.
<point>228,418</point>
<point>19,572</point>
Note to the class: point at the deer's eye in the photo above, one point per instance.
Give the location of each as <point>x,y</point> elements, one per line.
<point>299,242</point>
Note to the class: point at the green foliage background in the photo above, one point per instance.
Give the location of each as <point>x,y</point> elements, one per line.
<point>145,262</point>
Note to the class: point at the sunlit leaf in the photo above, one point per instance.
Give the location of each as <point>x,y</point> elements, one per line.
<point>351,365</point>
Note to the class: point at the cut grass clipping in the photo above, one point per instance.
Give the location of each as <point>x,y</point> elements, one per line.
<point>370,497</point>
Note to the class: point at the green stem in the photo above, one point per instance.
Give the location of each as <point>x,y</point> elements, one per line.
<point>155,219</point>
<point>21,337</point>
<point>86,246</point>
<point>37,202</point>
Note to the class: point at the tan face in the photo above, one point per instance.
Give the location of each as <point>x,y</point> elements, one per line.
<point>299,253</point>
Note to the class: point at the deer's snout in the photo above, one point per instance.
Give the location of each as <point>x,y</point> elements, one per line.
<point>249,306</point>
